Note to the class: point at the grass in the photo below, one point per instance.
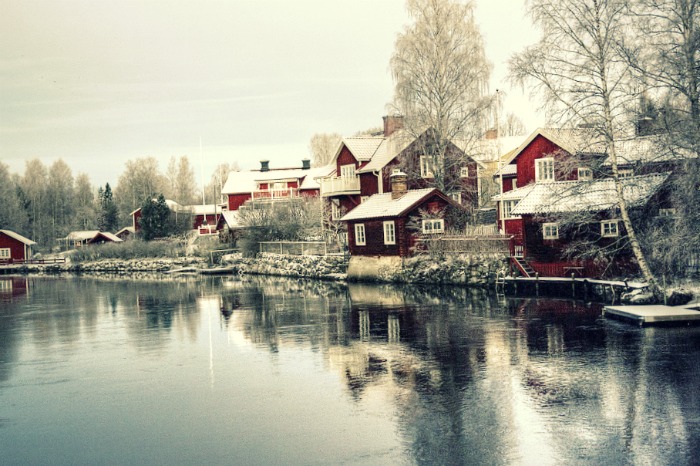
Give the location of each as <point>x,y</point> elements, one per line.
<point>132,249</point>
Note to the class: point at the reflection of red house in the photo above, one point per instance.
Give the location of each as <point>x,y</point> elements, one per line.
<point>380,226</point>
<point>14,247</point>
<point>558,190</point>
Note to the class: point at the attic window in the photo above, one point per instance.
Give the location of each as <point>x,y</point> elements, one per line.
<point>464,172</point>
<point>433,226</point>
<point>426,167</point>
<point>608,229</point>
<point>544,170</point>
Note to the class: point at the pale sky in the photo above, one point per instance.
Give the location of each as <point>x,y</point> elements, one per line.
<point>101,82</point>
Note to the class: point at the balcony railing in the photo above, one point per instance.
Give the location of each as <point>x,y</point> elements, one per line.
<point>274,194</point>
<point>340,185</point>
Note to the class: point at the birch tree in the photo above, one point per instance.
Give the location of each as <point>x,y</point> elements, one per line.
<point>140,181</point>
<point>322,148</point>
<point>441,79</point>
<point>578,69</point>
<point>182,186</point>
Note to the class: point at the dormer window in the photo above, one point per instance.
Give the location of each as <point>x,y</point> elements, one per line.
<point>585,174</point>
<point>544,170</point>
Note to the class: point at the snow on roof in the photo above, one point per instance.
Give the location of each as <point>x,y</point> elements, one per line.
<point>313,174</point>
<point>82,235</point>
<point>247,181</point>
<point>591,196</point>
<point>109,236</point>
<point>387,151</point>
<point>490,150</point>
<point>203,209</point>
<point>231,218</point>
<point>18,237</point>
<point>362,147</point>
<point>514,194</point>
<point>382,205</point>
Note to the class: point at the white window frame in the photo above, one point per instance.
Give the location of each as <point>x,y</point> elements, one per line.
<point>464,172</point>
<point>5,253</point>
<point>389,232</point>
<point>667,212</point>
<point>508,206</point>
<point>625,173</point>
<point>426,167</point>
<point>360,236</point>
<point>514,184</point>
<point>550,231</point>
<point>433,226</point>
<point>457,197</point>
<point>610,228</point>
<point>347,171</point>
<point>544,170</point>
<point>335,211</point>
<point>585,174</point>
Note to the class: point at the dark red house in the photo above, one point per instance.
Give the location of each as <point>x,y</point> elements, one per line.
<point>558,194</point>
<point>390,224</point>
<point>14,247</point>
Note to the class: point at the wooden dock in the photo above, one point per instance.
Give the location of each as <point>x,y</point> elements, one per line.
<point>655,314</point>
<point>576,288</point>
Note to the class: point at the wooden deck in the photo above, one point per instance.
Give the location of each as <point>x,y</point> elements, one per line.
<point>577,288</point>
<point>655,314</point>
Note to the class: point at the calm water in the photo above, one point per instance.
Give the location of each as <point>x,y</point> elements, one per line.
<point>262,371</point>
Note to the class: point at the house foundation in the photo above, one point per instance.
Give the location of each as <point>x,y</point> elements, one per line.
<point>374,268</point>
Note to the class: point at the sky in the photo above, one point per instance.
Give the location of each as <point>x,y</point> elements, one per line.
<point>98,83</point>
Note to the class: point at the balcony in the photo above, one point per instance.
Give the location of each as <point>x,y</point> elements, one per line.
<point>275,194</point>
<point>336,185</point>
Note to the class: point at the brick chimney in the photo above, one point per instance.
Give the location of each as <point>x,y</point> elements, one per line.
<point>392,123</point>
<point>399,184</point>
<point>264,165</point>
<point>305,164</point>
<point>491,134</point>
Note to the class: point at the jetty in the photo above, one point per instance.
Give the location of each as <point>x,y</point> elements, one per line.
<point>655,314</point>
<point>573,287</point>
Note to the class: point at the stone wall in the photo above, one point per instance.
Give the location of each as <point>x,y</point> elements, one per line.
<point>323,267</point>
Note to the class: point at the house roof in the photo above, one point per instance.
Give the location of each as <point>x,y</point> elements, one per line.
<point>231,218</point>
<point>18,237</point>
<point>382,205</point>
<point>514,194</point>
<point>362,147</point>
<point>247,181</point>
<point>109,236</point>
<point>387,151</point>
<point>203,209</point>
<point>126,229</point>
<point>82,235</point>
<point>587,196</point>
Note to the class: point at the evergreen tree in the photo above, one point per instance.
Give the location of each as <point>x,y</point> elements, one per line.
<point>155,218</point>
<point>108,216</point>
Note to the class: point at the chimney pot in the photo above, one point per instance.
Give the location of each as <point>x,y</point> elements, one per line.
<point>264,165</point>
<point>305,164</point>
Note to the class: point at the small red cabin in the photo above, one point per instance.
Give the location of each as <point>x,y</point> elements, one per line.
<point>14,247</point>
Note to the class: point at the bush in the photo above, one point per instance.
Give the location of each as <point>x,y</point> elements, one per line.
<point>132,249</point>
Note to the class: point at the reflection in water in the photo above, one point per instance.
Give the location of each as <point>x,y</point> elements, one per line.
<point>447,376</point>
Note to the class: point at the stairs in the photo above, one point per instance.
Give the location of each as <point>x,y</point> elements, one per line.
<point>523,266</point>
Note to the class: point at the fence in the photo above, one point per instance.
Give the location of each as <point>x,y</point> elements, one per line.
<point>299,248</point>
<point>57,260</point>
<point>496,244</point>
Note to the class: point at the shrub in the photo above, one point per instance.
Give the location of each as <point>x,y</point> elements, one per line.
<point>133,249</point>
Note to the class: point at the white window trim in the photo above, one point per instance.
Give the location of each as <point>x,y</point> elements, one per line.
<point>667,212</point>
<point>433,226</point>
<point>508,206</point>
<point>335,211</point>
<point>389,232</point>
<point>553,232</point>
<point>347,171</point>
<point>611,225</point>
<point>625,173</point>
<point>464,172</point>
<point>457,197</point>
<point>544,170</point>
<point>426,166</point>
<point>5,253</point>
<point>360,236</point>
<point>585,174</point>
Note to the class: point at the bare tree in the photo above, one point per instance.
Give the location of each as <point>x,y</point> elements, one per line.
<point>323,147</point>
<point>181,183</point>
<point>512,125</point>
<point>584,80</point>
<point>441,78</point>
<point>12,215</point>
<point>140,181</point>
<point>218,180</point>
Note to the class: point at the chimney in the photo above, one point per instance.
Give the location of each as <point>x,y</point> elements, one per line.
<point>264,165</point>
<point>399,184</point>
<point>392,123</point>
<point>491,134</point>
<point>305,164</point>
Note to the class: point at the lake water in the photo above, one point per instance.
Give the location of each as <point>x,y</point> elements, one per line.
<point>272,371</point>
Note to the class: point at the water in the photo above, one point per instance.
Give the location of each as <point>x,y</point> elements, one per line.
<point>266,371</point>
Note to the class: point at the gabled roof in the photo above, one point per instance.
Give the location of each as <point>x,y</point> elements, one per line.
<point>362,147</point>
<point>247,181</point>
<point>18,237</point>
<point>514,194</point>
<point>387,151</point>
<point>204,209</point>
<point>382,205</point>
<point>231,219</point>
<point>82,235</point>
<point>310,181</point>
<point>587,196</point>
<point>108,235</point>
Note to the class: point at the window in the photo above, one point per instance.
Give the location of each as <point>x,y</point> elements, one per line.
<point>508,206</point>
<point>625,173</point>
<point>426,167</point>
<point>335,211</point>
<point>433,226</point>
<point>347,171</point>
<point>360,238</point>
<point>464,172</point>
<point>4,253</point>
<point>585,174</point>
<point>608,229</point>
<point>389,233</point>
<point>667,212</point>
<point>457,197</point>
<point>544,170</point>
<point>550,231</point>
<point>514,183</point>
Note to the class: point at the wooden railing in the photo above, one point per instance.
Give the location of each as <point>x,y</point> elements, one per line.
<point>339,184</point>
<point>273,194</point>
<point>53,260</point>
<point>496,244</point>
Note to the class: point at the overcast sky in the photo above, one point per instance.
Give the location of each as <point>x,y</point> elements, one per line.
<point>101,82</point>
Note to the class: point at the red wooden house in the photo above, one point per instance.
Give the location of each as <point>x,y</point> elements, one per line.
<point>14,247</point>
<point>363,166</point>
<point>558,195</point>
<point>389,224</point>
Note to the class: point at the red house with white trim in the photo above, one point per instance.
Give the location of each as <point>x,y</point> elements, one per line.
<point>14,247</point>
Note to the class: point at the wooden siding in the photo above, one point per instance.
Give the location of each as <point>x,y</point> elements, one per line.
<point>540,147</point>
<point>237,200</point>
<point>17,248</point>
<point>345,158</point>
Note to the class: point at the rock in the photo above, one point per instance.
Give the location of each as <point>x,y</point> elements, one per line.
<point>638,297</point>
<point>678,297</point>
